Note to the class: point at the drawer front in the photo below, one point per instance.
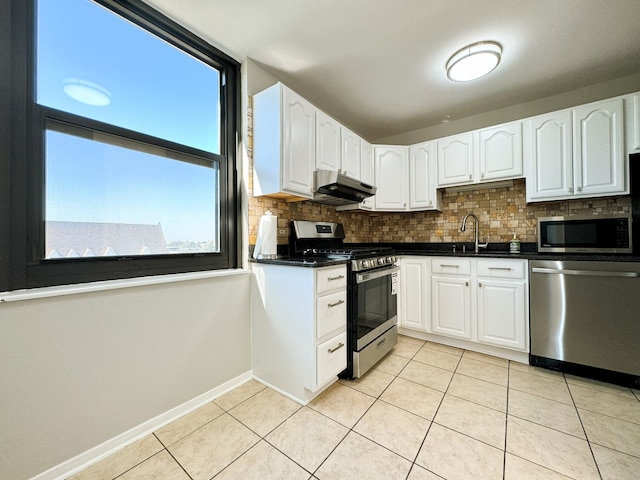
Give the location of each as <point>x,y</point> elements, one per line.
<point>331,278</point>
<point>497,268</point>
<point>331,313</point>
<point>331,358</point>
<point>451,266</point>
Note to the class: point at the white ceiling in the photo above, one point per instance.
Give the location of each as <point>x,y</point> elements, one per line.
<point>378,65</point>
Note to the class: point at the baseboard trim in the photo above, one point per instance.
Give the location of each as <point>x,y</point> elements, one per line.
<point>97,453</point>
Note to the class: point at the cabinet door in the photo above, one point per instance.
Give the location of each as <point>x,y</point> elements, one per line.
<point>422,181</point>
<point>451,300</point>
<point>502,313</point>
<point>331,359</point>
<point>550,159</point>
<point>632,122</point>
<point>500,152</point>
<point>327,142</point>
<point>367,171</point>
<point>415,293</point>
<point>455,160</point>
<point>598,152</point>
<point>351,156</point>
<point>299,133</point>
<point>391,172</point>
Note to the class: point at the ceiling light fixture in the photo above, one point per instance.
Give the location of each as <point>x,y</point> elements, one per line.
<point>86,92</point>
<point>474,61</point>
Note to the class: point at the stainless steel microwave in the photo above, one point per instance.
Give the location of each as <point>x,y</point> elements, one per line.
<point>591,234</point>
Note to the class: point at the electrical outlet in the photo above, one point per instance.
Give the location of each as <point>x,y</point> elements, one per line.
<point>282,231</point>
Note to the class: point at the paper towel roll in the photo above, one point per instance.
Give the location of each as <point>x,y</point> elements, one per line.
<point>267,239</point>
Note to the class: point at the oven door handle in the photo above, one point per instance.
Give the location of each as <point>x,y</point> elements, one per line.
<point>365,277</point>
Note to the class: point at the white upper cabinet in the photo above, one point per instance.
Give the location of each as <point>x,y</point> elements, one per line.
<point>576,152</point>
<point>455,160</point>
<point>632,122</point>
<point>367,174</point>
<point>284,133</point>
<point>391,170</point>
<point>500,152</point>
<point>351,147</point>
<point>328,145</point>
<point>550,159</point>
<point>422,177</point>
<point>598,148</point>
<point>486,155</point>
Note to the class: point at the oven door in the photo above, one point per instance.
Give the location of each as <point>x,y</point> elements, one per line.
<point>377,304</point>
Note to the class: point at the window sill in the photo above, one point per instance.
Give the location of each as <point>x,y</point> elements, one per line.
<point>45,292</point>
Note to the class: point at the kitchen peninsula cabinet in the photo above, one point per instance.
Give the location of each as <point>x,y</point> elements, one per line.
<point>576,153</point>
<point>299,327</point>
<point>284,144</point>
<point>479,304</point>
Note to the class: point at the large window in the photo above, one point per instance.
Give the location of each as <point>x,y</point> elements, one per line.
<point>127,149</point>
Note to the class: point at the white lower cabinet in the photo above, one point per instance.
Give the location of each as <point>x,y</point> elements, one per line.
<point>414,306</point>
<point>476,303</point>
<point>299,321</point>
<point>451,306</point>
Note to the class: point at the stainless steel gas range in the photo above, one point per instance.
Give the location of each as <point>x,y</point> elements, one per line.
<point>372,310</point>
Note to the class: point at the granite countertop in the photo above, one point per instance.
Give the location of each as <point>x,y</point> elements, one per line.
<point>309,262</point>
<point>444,249</point>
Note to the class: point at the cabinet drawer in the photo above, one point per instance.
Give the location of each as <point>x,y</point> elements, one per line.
<point>451,266</point>
<point>502,268</point>
<point>332,278</point>
<point>331,313</point>
<point>331,358</point>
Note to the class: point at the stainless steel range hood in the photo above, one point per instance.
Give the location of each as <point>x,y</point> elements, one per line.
<point>334,188</point>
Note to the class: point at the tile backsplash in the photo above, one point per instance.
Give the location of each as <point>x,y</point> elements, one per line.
<point>501,212</point>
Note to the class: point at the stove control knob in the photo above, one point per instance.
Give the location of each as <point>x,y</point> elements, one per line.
<point>389,260</point>
<point>381,261</point>
<point>365,263</point>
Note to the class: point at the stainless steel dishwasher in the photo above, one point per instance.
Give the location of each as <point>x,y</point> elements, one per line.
<point>585,318</point>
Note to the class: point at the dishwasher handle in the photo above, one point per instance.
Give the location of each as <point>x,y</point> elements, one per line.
<point>586,273</point>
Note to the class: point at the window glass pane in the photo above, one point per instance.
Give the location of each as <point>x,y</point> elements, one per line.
<point>109,196</point>
<point>93,63</point>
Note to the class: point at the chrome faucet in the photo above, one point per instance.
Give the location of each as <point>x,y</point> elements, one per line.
<point>464,227</point>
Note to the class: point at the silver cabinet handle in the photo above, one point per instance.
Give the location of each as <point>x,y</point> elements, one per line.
<point>466,284</point>
<point>591,273</point>
<point>331,305</point>
<point>449,265</point>
<point>331,350</point>
<point>479,285</point>
<point>570,189</point>
<point>339,277</point>
<point>500,268</point>
<point>579,189</point>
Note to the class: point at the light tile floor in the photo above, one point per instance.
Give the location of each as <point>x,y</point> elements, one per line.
<point>426,412</point>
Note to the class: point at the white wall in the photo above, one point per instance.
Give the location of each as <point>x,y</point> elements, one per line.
<point>80,369</point>
<point>580,96</point>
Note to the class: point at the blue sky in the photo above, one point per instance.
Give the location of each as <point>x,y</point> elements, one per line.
<point>155,89</point>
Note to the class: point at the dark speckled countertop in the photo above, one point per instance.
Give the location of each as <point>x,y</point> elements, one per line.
<point>494,250</point>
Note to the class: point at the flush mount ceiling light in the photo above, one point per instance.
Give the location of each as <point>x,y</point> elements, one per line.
<point>86,92</point>
<point>473,61</point>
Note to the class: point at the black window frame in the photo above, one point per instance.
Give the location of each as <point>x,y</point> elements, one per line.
<point>22,134</point>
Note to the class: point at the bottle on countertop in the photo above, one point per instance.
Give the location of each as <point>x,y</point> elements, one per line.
<point>514,244</point>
